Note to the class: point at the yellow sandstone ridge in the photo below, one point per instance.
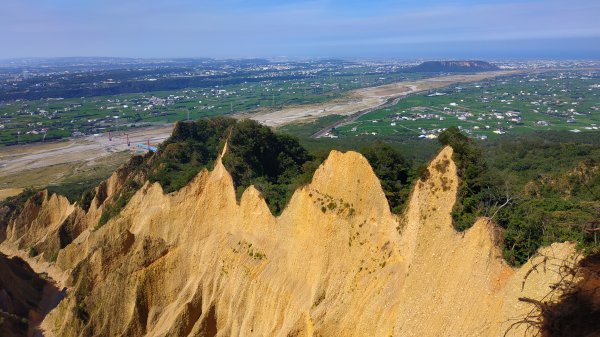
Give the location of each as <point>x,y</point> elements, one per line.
<point>335,263</point>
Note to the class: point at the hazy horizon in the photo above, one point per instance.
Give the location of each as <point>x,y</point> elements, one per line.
<point>464,29</point>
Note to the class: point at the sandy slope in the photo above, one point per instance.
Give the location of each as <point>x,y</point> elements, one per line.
<point>9,192</point>
<point>335,263</point>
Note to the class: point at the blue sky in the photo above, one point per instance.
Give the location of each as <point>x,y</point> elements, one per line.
<point>297,28</point>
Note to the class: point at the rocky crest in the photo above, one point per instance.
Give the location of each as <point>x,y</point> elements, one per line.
<point>335,263</point>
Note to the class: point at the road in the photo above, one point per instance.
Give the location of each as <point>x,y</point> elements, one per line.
<point>361,100</point>
<point>40,164</point>
<point>393,96</point>
<point>355,116</point>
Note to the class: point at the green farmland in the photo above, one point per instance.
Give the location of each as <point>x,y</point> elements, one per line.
<point>26,121</point>
<point>514,105</point>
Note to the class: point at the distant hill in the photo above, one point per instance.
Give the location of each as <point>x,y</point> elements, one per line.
<point>453,67</point>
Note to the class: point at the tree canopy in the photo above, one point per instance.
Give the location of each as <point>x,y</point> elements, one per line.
<point>539,191</point>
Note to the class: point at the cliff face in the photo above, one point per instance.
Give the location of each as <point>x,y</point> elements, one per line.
<point>36,228</point>
<point>25,297</point>
<point>48,222</point>
<point>335,263</point>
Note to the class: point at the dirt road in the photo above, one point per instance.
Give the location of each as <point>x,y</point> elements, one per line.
<point>365,99</point>
<point>40,164</point>
<point>323,132</point>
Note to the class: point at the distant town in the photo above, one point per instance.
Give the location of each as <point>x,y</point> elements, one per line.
<point>42,99</point>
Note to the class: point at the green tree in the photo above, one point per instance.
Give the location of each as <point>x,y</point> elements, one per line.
<point>393,171</point>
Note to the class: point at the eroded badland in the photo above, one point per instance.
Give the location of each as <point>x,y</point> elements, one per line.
<point>336,262</point>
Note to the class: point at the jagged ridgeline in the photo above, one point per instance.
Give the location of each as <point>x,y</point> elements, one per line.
<point>517,184</point>
<point>276,164</point>
<point>538,192</point>
<point>199,262</point>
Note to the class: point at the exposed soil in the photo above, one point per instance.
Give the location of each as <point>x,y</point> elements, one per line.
<point>41,164</point>
<point>25,298</point>
<point>577,314</point>
<point>9,192</point>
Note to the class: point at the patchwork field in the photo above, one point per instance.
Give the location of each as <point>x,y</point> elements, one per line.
<point>508,105</point>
